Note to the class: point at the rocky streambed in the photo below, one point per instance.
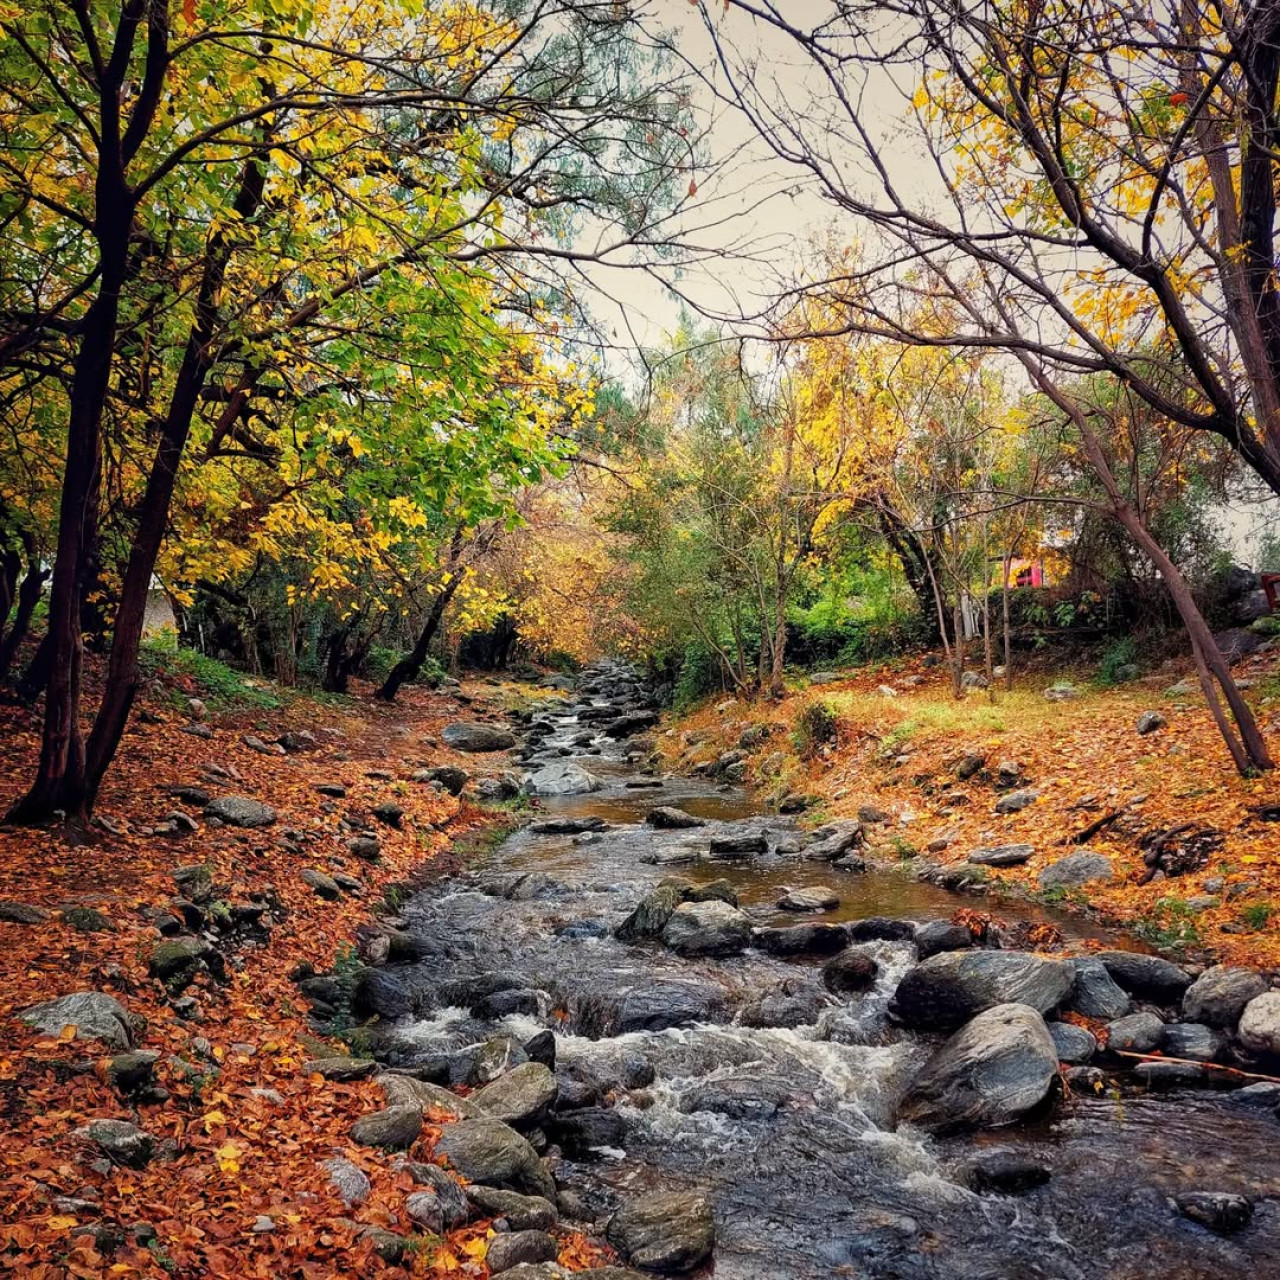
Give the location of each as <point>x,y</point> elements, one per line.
<point>713,1039</point>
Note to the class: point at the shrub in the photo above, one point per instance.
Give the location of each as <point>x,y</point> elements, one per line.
<point>815,725</point>
<point>1119,654</point>
<point>698,675</point>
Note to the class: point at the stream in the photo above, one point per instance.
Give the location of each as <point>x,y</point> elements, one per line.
<point>771,1094</point>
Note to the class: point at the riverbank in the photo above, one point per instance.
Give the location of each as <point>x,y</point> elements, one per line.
<point>247,836</point>
<point>1191,849</point>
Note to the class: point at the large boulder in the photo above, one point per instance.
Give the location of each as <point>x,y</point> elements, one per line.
<point>817,939</point>
<point>739,845</point>
<point>491,1152</point>
<point>948,989</point>
<point>1259,1028</point>
<point>711,928</point>
<point>991,1072</point>
<point>1074,870</point>
<point>630,723</point>
<point>654,1006</point>
<point>1096,994</point>
<point>449,776</point>
<point>1143,975</point>
<point>834,841</point>
<point>240,811</point>
<point>522,1213</point>
<point>653,911</point>
<point>94,1014</point>
<point>1002,855</point>
<point>664,1231</point>
<point>563,778</point>
<point>393,1128</point>
<point>477,738</point>
<point>519,1097</point>
<point>1218,996</point>
<point>1136,1033</point>
<point>851,970</point>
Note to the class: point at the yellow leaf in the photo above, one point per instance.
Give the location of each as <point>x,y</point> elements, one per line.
<point>212,1119</point>
<point>228,1157</point>
<point>60,1222</point>
<point>68,1033</point>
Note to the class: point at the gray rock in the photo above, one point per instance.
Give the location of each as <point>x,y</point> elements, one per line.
<point>262,748</point>
<point>240,811</point>
<point>522,1096</point>
<point>176,961</point>
<point>941,935</point>
<point>491,1152</point>
<point>121,1142</point>
<point>1218,996</point>
<point>340,1068</point>
<point>325,886</point>
<point>94,1014</point>
<point>818,939</point>
<point>1096,994</point>
<point>1157,1075</point>
<point>1007,1173</point>
<point>450,1197</point>
<point>449,776</point>
<point>664,1231</point>
<point>522,1213</point>
<point>388,813</point>
<point>1074,870</point>
<point>950,988</point>
<point>1144,975</point>
<point>1073,1044</point>
<point>477,738</point>
<point>1259,1028</point>
<point>568,826</point>
<point>1150,722</point>
<point>366,848</point>
<point>834,841</point>
<point>563,779</point>
<point>713,889</point>
<point>650,917</point>
<point>816,897</point>
<point>1218,1211</point>
<point>1136,1033</point>
<point>587,1132</point>
<point>517,1247</point>
<point>733,847</point>
<point>851,970</point>
<point>1191,1040</point>
<point>349,1181</point>
<point>658,1006</point>
<point>632,722</point>
<point>133,1071</point>
<point>991,1072</point>
<point>707,929</point>
<point>495,1058</point>
<point>969,764</point>
<point>1002,855</point>
<point>394,1128</point>
<point>425,1211</point>
<point>1062,692</point>
<point>668,818</point>
<point>405,1091</point>
<point>1016,801</point>
<point>21,912</point>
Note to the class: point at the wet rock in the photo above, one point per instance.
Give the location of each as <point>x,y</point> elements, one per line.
<point>734,847</point>
<point>1262,1096</point>
<point>655,909</point>
<point>393,1129</point>
<point>664,1231</point>
<point>712,891</point>
<point>1002,855</point>
<point>588,1132</point>
<point>1218,996</point>
<point>707,929</point>
<point>449,776</point>
<point>881,929</point>
<point>388,813</point>
<point>669,818</point>
<point>1218,1211</point>
<point>517,1247</point>
<point>1191,1040</point>
<point>477,738</point>
<point>1150,722</point>
<point>323,885</point>
<point>991,1072</point>
<point>176,961</point>
<point>1259,1028</point>
<point>1074,870</point>
<point>522,1213</point>
<point>1016,801</point>
<point>491,1152</point>
<point>520,1097</point>
<point>802,939</point>
<point>503,1004</point>
<point>568,826</point>
<point>834,841</point>
<point>1137,1033</point>
<point>1149,976</point>
<point>798,802</point>
<point>739,1097</point>
<point>349,1181</point>
<point>379,993</point>
<point>495,1058</point>
<point>658,1006</point>
<point>121,1142</point>
<point>1073,1044</point>
<point>851,970</point>
<point>950,988</point>
<point>1007,1173</point>
<point>1096,994</point>
<point>240,811</point>
<point>21,912</point>
<point>941,935</point>
<point>1086,1079</point>
<point>1168,1075</point>
<point>541,1047</point>
<point>631,723</point>
<point>794,1004</point>
<point>816,897</point>
<point>563,779</point>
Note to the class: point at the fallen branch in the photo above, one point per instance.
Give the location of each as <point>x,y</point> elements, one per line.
<point>1204,1066</point>
<point>1099,824</point>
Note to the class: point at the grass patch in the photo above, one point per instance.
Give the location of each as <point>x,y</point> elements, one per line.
<point>1169,925</point>
<point>220,686</point>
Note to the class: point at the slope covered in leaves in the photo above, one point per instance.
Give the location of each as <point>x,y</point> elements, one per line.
<point>1215,890</point>
<point>246,1129</point>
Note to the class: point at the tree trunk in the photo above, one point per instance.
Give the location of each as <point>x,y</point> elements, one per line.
<point>28,597</point>
<point>409,666</point>
<point>957,660</point>
<point>1008,634</point>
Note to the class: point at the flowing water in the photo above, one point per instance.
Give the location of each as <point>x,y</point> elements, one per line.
<point>778,1098</point>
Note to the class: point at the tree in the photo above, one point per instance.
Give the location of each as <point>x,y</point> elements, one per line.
<point>209,221</point>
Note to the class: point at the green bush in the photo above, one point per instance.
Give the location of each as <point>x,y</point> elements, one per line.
<point>214,681</point>
<point>698,676</point>
<point>815,725</point>
<point>1119,654</point>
